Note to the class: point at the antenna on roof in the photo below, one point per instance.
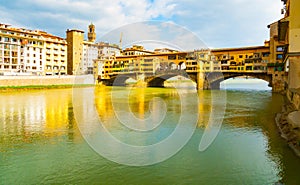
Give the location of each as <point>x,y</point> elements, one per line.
<point>121,40</point>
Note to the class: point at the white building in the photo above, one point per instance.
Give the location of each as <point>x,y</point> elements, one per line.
<point>136,50</point>
<point>108,51</point>
<point>107,54</point>
<point>90,53</point>
<point>30,52</point>
<point>21,51</point>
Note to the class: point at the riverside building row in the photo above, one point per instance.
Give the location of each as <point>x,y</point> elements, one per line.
<point>31,52</point>
<point>34,52</point>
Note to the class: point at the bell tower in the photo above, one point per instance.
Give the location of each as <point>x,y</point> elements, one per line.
<point>91,33</point>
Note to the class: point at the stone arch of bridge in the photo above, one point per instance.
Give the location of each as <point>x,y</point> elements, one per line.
<point>119,80</point>
<point>158,80</point>
<point>213,80</point>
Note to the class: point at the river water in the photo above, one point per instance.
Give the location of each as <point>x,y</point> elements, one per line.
<point>40,141</point>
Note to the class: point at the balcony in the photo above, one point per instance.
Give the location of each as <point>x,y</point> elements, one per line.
<point>277,64</point>
<point>249,61</point>
<point>260,64</point>
<point>233,63</point>
<point>224,62</point>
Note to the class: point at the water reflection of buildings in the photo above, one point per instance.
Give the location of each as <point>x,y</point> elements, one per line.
<point>22,113</point>
<point>139,100</point>
<point>136,101</point>
<point>35,113</point>
<point>202,118</point>
<point>103,102</point>
<point>138,96</point>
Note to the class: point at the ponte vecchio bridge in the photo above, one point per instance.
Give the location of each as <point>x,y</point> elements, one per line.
<point>204,67</point>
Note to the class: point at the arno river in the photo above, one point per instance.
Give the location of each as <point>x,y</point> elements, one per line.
<point>40,141</point>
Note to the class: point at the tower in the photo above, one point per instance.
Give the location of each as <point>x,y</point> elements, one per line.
<point>91,33</point>
<point>75,49</point>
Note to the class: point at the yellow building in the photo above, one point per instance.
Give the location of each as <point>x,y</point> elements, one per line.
<point>245,59</point>
<point>191,61</point>
<point>147,64</point>
<point>289,32</point>
<point>56,55</point>
<point>206,61</point>
<point>75,50</point>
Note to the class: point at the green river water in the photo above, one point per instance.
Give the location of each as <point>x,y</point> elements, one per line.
<point>40,142</point>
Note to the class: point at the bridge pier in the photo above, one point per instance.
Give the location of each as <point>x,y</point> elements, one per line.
<point>278,82</point>
<point>200,80</point>
<point>214,86</point>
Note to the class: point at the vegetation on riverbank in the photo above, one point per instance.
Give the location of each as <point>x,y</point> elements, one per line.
<point>41,87</point>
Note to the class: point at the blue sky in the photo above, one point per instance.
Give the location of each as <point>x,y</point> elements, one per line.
<point>218,23</point>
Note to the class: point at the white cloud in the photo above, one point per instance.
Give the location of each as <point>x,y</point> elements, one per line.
<point>230,23</point>
<point>219,23</point>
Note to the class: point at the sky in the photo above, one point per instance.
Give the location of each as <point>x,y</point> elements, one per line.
<point>215,23</point>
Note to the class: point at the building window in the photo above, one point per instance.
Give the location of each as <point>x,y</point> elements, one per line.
<point>279,56</point>
<point>266,54</point>
<point>280,49</point>
<point>172,57</point>
<point>240,56</point>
